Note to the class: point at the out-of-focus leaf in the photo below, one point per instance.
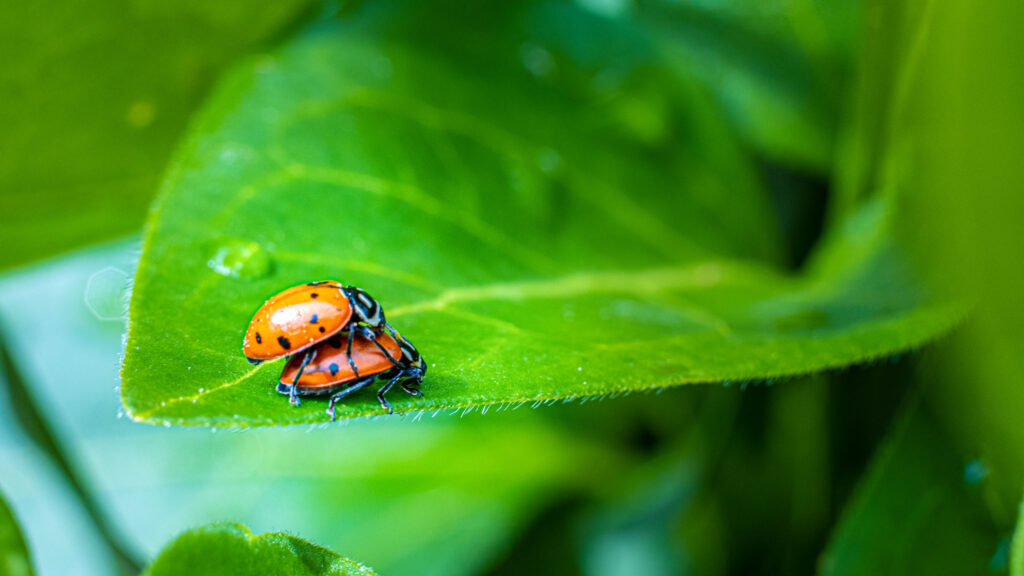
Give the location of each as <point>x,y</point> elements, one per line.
<point>914,513</point>
<point>874,150</point>
<point>537,238</point>
<point>1017,550</point>
<point>14,559</point>
<point>31,422</point>
<point>660,521</point>
<point>961,213</point>
<point>64,539</point>
<point>96,93</point>
<point>403,495</point>
<point>227,549</point>
<point>780,69</point>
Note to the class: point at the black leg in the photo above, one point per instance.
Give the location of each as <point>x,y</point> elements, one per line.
<point>348,351</point>
<point>354,387</point>
<point>394,333</point>
<point>369,335</point>
<point>384,390</point>
<point>414,391</point>
<point>293,397</point>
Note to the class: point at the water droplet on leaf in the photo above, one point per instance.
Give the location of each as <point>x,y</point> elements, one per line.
<point>975,471</point>
<point>537,60</point>
<point>240,259</point>
<point>106,294</point>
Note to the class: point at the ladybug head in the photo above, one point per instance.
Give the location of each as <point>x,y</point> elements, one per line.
<point>364,307</point>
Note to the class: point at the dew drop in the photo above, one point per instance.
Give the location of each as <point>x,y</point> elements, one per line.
<point>975,471</point>
<point>537,60</point>
<point>549,161</point>
<point>106,294</point>
<point>645,117</point>
<point>240,259</point>
<point>140,114</point>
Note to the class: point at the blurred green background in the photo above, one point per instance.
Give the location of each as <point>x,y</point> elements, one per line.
<point>909,465</point>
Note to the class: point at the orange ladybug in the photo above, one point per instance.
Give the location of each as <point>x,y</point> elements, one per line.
<point>389,358</point>
<point>296,319</point>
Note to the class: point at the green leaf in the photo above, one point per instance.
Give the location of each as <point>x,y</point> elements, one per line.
<point>779,68</point>
<point>226,549</point>
<point>14,559</point>
<point>967,93</point>
<point>1017,548</point>
<point>96,95</point>
<point>874,148</point>
<point>916,511</point>
<point>537,238</point>
<point>448,486</point>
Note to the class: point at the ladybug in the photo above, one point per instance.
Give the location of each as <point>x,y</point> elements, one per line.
<point>298,318</point>
<point>389,358</point>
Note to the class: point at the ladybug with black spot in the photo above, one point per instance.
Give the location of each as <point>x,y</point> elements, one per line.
<point>300,317</point>
<point>330,371</point>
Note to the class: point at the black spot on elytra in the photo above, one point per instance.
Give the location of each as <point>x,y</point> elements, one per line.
<point>259,340</point>
<point>314,319</point>
<point>284,342</point>
<point>322,330</point>
<point>314,295</point>
<point>334,369</point>
<point>335,342</point>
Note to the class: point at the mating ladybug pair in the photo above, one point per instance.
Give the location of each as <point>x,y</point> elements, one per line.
<point>338,340</point>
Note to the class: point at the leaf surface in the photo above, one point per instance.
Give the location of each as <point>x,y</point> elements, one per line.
<point>569,223</point>
<point>448,486</point>
<point>227,549</point>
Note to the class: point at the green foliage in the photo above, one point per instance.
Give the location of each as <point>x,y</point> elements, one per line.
<point>96,95</point>
<point>917,492</point>
<point>436,488</point>
<point>1017,551</point>
<point>967,139</point>
<point>610,238</point>
<point>227,549</point>
<point>780,69</point>
<point>555,202</point>
<point>14,559</point>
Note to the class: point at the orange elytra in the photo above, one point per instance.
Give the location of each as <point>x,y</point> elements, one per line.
<point>301,316</point>
<point>329,367</point>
